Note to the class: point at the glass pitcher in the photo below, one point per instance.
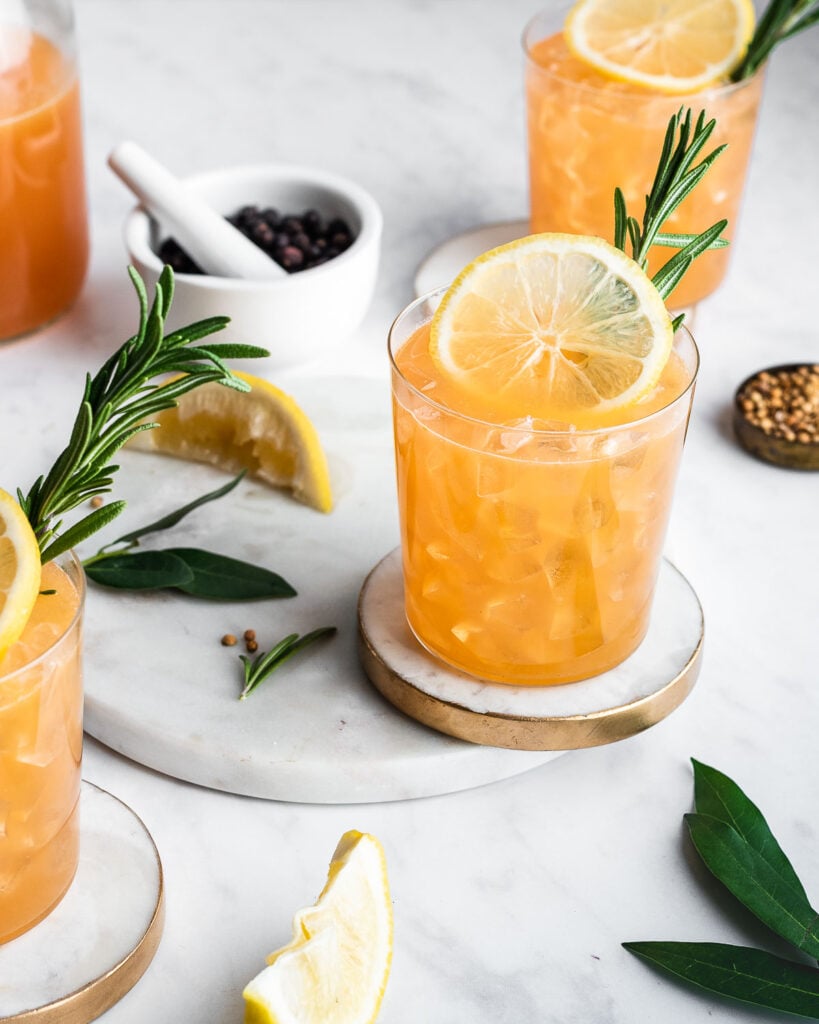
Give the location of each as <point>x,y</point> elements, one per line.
<point>43,216</point>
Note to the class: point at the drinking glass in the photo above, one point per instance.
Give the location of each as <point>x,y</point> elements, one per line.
<point>43,218</point>
<point>589,134</point>
<point>530,555</point>
<point>40,752</point>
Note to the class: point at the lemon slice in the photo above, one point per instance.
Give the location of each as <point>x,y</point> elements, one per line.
<point>671,46</point>
<point>552,326</point>
<point>263,431</point>
<point>336,967</point>
<point>19,571</point>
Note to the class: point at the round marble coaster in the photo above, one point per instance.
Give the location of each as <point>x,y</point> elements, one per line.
<point>98,942</point>
<point>161,689</point>
<point>631,697</point>
<point>441,266</point>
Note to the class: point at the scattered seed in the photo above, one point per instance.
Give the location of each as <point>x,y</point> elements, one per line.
<point>249,634</point>
<point>251,646</point>
<point>96,501</point>
<point>228,640</point>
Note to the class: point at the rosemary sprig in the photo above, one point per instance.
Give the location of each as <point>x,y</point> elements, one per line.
<point>113,409</point>
<point>676,177</point>
<point>263,665</point>
<point>782,20</point>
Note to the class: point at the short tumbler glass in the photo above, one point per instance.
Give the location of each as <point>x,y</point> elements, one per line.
<point>589,134</point>
<point>40,754</point>
<point>530,556</point>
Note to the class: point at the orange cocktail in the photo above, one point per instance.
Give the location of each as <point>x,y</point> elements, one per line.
<point>589,134</point>
<point>530,548</point>
<point>40,751</point>
<point>43,219</point>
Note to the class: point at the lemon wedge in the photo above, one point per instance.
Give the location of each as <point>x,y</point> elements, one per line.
<point>19,571</point>
<point>551,326</point>
<point>670,46</point>
<point>335,969</point>
<point>263,431</point>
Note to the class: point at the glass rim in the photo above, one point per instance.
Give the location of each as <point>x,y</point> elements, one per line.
<point>71,558</point>
<point>568,430</point>
<point>638,93</point>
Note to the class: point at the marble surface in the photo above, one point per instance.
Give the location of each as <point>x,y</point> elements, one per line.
<point>317,732</point>
<point>511,900</point>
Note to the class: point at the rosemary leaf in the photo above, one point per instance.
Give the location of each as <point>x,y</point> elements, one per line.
<point>679,240</point>
<point>263,665</point>
<point>81,530</point>
<point>749,975</point>
<point>781,20</point>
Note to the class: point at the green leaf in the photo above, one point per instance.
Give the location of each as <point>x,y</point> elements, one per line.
<point>677,241</point>
<point>720,797</point>
<point>172,518</point>
<point>749,975</point>
<point>81,530</point>
<point>754,882</point>
<point>218,577</point>
<point>226,350</point>
<point>141,570</point>
<point>781,20</point>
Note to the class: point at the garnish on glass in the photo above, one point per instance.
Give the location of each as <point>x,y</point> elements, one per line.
<point>676,177</point>
<point>114,407</point>
<point>264,665</point>
<point>782,20</point>
<point>737,846</point>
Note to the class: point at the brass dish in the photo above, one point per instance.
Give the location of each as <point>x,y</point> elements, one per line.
<point>778,451</point>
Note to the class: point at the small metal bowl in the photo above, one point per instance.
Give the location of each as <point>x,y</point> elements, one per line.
<point>770,448</point>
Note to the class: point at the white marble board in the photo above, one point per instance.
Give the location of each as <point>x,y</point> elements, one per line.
<point>162,690</point>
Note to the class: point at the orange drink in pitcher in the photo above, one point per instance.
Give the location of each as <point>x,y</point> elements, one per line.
<point>43,217</point>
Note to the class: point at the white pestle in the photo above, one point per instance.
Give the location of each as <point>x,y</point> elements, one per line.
<point>218,247</point>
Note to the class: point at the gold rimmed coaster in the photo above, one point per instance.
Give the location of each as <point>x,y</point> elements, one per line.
<point>635,695</point>
<point>98,942</point>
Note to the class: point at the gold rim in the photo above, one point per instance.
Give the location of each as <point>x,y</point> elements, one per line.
<point>93,999</point>
<point>523,732</point>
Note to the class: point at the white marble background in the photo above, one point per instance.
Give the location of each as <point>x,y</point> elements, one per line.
<point>510,900</point>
